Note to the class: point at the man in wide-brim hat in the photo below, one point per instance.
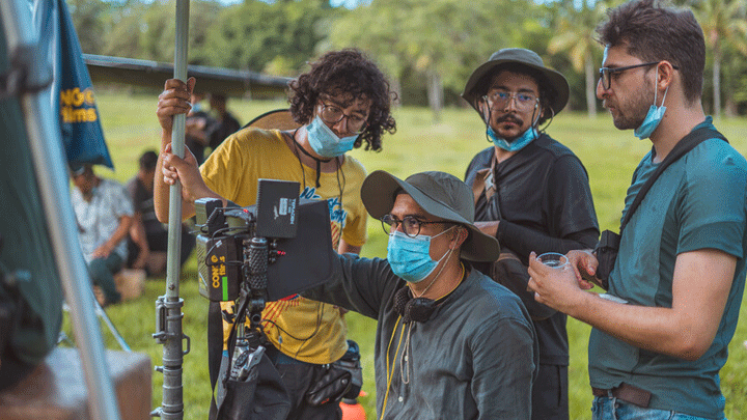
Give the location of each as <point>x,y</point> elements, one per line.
<point>532,194</point>
<point>451,343</point>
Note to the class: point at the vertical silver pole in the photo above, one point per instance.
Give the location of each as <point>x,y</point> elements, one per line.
<point>169,306</point>
<point>51,175</point>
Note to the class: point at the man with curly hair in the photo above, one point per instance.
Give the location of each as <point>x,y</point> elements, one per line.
<point>342,102</point>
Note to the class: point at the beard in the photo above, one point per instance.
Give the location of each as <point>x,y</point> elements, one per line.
<point>630,115</point>
<point>512,118</point>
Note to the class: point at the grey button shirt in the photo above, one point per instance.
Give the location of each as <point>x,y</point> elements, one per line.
<point>475,358</point>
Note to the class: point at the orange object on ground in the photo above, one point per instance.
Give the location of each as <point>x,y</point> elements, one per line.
<point>352,409</point>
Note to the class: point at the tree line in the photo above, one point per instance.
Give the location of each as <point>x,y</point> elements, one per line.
<point>428,48</point>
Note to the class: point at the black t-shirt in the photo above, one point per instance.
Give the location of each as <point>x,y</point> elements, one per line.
<point>544,204</point>
<point>195,145</point>
<point>221,129</point>
<point>142,201</point>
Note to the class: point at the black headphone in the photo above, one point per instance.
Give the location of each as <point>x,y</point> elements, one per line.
<point>413,309</point>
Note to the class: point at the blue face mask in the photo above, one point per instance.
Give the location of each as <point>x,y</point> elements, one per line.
<point>410,258</point>
<point>515,145</point>
<point>325,142</point>
<point>654,116</point>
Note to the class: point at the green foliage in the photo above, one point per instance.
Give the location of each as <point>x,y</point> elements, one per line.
<point>575,36</point>
<point>436,40</point>
<point>427,47</point>
<point>90,17</point>
<point>724,25</point>
<point>609,155</point>
<point>255,34</point>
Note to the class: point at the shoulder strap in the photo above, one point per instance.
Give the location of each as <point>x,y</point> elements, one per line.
<point>484,181</point>
<point>680,149</point>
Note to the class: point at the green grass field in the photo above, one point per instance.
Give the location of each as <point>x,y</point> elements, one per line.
<point>609,155</point>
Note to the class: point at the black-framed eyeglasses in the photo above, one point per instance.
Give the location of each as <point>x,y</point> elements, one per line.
<point>605,73</point>
<point>410,225</point>
<point>332,114</point>
<point>499,99</point>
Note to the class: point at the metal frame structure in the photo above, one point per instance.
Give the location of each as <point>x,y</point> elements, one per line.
<point>51,175</point>
<point>168,307</point>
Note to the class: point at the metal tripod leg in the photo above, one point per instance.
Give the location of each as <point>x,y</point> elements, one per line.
<point>102,314</point>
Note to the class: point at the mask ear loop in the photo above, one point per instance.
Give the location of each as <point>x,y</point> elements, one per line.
<point>656,90</point>
<point>665,96</point>
<point>549,121</point>
<point>490,115</point>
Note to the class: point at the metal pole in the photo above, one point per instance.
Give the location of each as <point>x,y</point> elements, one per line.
<point>51,175</point>
<point>168,307</point>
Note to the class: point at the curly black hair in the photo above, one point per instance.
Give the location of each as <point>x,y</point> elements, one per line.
<point>346,72</point>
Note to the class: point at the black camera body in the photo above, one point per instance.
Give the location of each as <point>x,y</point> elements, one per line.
<point>286,237</point>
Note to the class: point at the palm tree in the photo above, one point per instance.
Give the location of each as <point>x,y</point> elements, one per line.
<point>575,29</point>
<point>723,22</point>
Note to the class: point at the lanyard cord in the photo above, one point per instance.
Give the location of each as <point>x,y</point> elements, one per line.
<point>338,170</point>
<point>318,161</point>
<point>390,374</point>
<point>404,370</point>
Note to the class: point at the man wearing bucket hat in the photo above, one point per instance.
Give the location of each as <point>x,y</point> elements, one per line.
<point>450,342</point>
<point>532,194</point>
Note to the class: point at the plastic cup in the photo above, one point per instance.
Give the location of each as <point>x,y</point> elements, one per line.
<point>553,259</point>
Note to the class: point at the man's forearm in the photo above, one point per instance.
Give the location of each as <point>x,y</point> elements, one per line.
<point>125,222</point>
<point>686,330</point>
<point>160,188</point>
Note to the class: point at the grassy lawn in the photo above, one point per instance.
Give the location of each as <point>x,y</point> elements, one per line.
<point>609,155</point>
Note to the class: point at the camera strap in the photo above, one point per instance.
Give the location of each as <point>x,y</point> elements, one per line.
<point>485,182</point>
<point>609,243</point>
<point>682,147</point>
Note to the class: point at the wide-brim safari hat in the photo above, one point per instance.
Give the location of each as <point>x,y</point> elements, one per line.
<point>441,195</point>
<point>553,79</point>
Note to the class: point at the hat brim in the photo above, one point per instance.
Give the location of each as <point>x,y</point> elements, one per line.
<point>279,119</point>
<point>380,189</point>
<point>556,81</point>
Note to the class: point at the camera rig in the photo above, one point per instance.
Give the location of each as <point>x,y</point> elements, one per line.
<point>276,248</point>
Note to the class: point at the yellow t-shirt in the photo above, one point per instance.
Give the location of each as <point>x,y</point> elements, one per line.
<point>306,330</point>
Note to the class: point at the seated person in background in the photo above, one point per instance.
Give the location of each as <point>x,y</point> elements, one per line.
<point>197,125</point>
<point>104,215</point>
<point>225,124</point>
<point>148,238</point>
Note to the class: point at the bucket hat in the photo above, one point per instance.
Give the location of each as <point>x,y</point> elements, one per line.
<point>441,195</point>
<point>553,79</point>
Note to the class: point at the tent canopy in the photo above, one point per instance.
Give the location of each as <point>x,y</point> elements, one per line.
<point>152,74</point>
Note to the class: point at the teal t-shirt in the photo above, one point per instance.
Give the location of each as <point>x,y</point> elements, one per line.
<point>699,202</point>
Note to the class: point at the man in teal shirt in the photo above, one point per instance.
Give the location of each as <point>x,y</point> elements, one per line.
<point>681,262</point>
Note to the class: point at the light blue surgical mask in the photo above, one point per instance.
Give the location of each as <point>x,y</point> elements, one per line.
<point>654,115</point>
<point>410,258</point>
<point>325,142</point>
<point>515,145</point>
